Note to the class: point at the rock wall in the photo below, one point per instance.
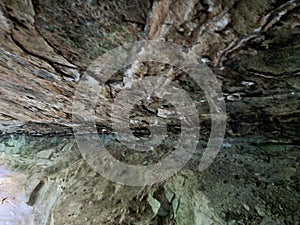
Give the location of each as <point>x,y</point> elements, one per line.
<point>251,46</point>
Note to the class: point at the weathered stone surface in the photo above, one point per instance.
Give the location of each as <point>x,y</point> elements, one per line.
<point>251,46</point>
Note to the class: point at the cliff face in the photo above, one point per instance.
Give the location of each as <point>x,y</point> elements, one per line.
<point>252,47</point>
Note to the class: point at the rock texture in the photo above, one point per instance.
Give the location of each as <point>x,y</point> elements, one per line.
<point>251,46</point>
